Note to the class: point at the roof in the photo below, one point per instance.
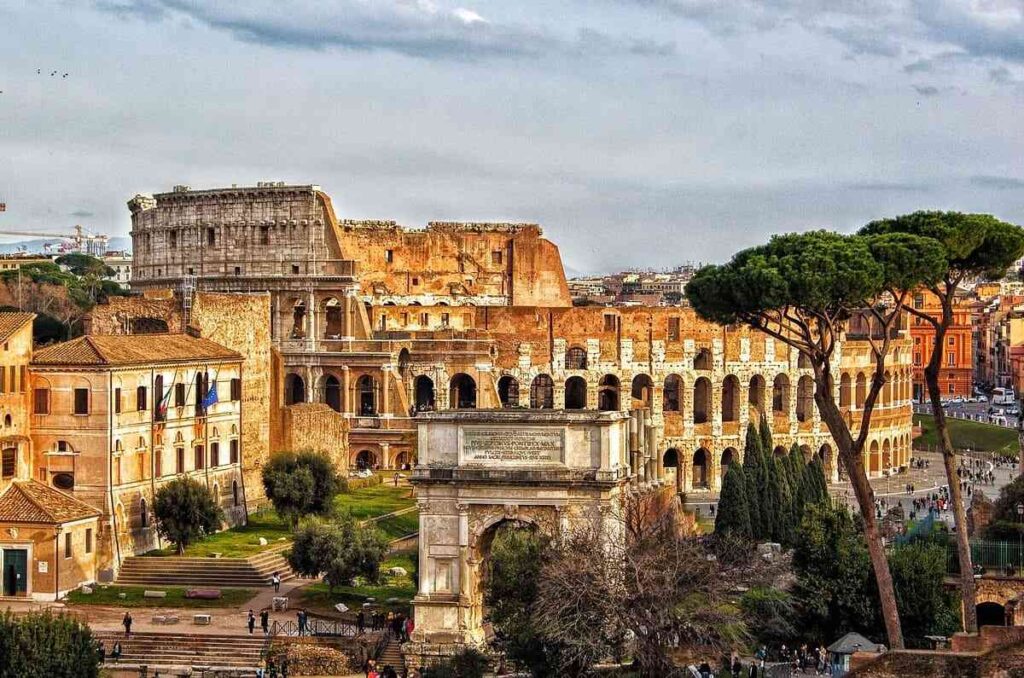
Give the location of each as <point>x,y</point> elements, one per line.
<point>853,642</point>
<point>132,349</point>
<point>29,501</point>
<point>12,322</point>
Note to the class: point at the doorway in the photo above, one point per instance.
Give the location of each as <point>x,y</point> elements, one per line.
<point>15,572</point>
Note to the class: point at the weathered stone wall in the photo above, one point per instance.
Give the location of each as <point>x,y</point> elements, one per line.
<point>316,427</point>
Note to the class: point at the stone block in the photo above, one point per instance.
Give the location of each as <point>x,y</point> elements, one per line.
<point>263,541</point>
<point>154,594</point>
<point>203,594</point>
<point>202,619</point>
<point>87,590</point>
<point>279,604</point>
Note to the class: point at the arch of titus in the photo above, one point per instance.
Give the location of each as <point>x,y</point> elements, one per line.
<point>480,468</point>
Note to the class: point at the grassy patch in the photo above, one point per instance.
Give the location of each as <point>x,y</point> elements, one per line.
<point>970,434</point>
<point>175,597</point>
<point>317,597</point>
<point>395,527</point>
<point>370,502</point>
<point>237,542</point>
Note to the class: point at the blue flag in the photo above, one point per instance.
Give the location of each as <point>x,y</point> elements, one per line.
<point>211,396</point>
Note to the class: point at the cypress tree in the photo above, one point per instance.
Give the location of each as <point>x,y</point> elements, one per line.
<point>753,459</point>
<point>797,479</point>
<point>733,517</point>
<point>766,437</point>
<point>778,500</point>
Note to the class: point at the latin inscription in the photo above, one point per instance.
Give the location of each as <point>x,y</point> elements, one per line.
<point>511,446</point>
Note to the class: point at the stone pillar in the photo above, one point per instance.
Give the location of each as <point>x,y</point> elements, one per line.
<point>424,577</point>
<point>346,390</point>
<point>385,453</point>
<point>385,377</point>
<point>464,591</point>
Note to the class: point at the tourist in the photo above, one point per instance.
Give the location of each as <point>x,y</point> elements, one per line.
<point>115,653</point>
<point>252,621</point>
<point>409,626</point>
<point>736,666</point>
<point>101,652</point>
<point>303,622</point>
<point>705,669</point>
<point>275,579</point>
<point>361,621</point>
<point>127,623</point>
<point>397,478</point>
<point>265,621</point>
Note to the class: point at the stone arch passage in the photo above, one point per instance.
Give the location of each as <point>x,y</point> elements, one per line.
<point>729,455</point>
<point>424,388</point>
<point>886,455</point>
<point>642,390</point>
<point>701,464</point>
<point>366,391</point>
<point>670,460</point>
<point>462,392</point>
<point>701,400</point>
<point>991,614</point>
<point>575,393</point>
<point>333,319</point>
<point>672,397</point>
<point>366,459</point>
<point>804,398</point>
<point>845,390</point>
<point>294,389</point>
<point>874,458</point>
<point>755,395</point>
<point>731,399</point>
<point>508,391</point>
<point>542,392</point>
<point>608,393</point>
<point>827,460</point>
<point>861,390</point>
<point>780,394</point>
<point>332,392</point>
<point>780,451</point>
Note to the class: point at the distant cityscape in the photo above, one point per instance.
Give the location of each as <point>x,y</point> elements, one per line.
<point>633,287</point>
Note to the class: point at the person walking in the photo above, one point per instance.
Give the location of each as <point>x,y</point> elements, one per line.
<point>252,621</point>
<point>275,580</point>
<point>265,621</point>
<point>115,653</point>
<point>361,622</point>
<point>127,623</point>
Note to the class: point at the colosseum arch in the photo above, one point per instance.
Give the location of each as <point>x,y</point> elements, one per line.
<point>642,390</point>
<point>366,396</point>
<point>731,398</point>
<point>861,393</point>
<point>755,394</point>
<point>542,393</point>
<point>780,394</point>
<point>700,469</point>
<point>576,358</point>
<point>887,455</point>
<point>701,400</point>
<point>827,458</point>
<point>804,398</point>
<point>575,393</point>
<point>702,361</point>
<point>462,392</point>
<point>332,392</point>
<point>294,389</point>
<point>608,393</point>
<point>299,319</point>
<point>423,389</point>
<point>874,458</point>
<point>729,455</point>
<point>508,391</point>
<point>672,397</point>
<point>887,390</point>
<point>332,319</point>
<point>845,390</point>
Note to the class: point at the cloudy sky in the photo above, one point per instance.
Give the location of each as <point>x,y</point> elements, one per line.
<point>637,132</point>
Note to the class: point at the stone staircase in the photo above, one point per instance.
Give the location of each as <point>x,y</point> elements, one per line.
<point>252,572</point>
<point>175,653</point>
<point>392,655</point>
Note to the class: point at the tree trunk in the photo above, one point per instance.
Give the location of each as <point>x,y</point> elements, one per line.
<point>853,460</point>
<point>963,544</point>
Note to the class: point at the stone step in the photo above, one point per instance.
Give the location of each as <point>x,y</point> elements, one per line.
<point>159,649</point>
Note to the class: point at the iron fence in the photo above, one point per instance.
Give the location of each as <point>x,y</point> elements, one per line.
<point>990,557</point>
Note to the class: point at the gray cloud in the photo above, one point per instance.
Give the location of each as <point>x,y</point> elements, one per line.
<point>895,186</point>
<point>926,90</point>
<point>998,183</point>
<point>82,214</point>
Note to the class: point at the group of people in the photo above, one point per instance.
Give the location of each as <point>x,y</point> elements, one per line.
<point>387,671</point>
<point>394,625</point>
<point>804,659</point>
<point>264,621</point>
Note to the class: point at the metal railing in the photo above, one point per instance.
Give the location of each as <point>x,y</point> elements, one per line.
<point>316,628</point>
<point>1005,558</point>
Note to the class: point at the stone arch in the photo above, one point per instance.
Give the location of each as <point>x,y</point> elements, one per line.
<point>404,361</point>
<point>576,358</point>
<point>701,400</point>
<point>861,392</point>
<point>365,459</point>
<point>806,453</point>
<point>642,390</point>
<point>332,392</point>
<point>423,388</point>
<point>608,393</point>
<point>886,394</point>
<point>462,392</point>
<point>700,469</point>
<point>780,451</point>
<point>508,391</point>
<point>780,394</point>
<point>702,361</point>
<point>299,317</point>
<point>731,398</point>
<point>294,389</point>
<point>845,391</point>
<point>366,396</point>
<point>755,394</point>
<point>804,398</point>
<point>400,460</point>
<point>542,392</point>
<point>575,393</point>
<point>886,454</point>
<point>333,317</point>
<point>672,396</point>
<point>825,455</point>
<point>729,455</point>
<point>991,613</point>
<point>671,458</point>
<point>874,458</point>
<point>143,513</point>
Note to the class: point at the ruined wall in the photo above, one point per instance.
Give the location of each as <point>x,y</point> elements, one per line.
<point>316,427</point>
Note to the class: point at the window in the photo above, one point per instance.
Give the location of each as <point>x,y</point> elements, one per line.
<point>88,540</point>
<point>214,455</point>
<point>424,319</point>
<point>191,271</point>
<point>24,379</point>
<point>444,319</point>
<point>918,300</point>
<point>117,401</point>
<point>264,235</point>
<point>140,399</point>
<point>950,360</point>
<point>158,462</point>
<point>12,376</point>
<point>673,329</point>
<point>67,544</point>
<point>236,389</point>
<point>951,341</point>
<point>415,281</point>
<point>81,401</point>
<point>389,256</point>
<point>179,395</point>
<point>295,269</point>
<point>917,359</point>
<point>238,270</point>
<point>62,446</point>
<point>8,462</point>
<point>234,451</point>
<point>173,241</point>
<point>609,322</point>
<point>179,459</point>
<point>41,401</point>
<point>211,237</point>
<point>200,457</point>
<point>496,257</point>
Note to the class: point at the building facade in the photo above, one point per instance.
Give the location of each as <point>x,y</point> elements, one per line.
<point>956,376</point>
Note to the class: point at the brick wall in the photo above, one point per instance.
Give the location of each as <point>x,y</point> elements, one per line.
<point>316,427</point>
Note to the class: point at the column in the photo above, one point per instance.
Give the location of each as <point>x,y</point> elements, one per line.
<point>463,550</point>
<point>385,377</point>
<point>424,577</point>
<point>346,395</point>
<point>385,454</point>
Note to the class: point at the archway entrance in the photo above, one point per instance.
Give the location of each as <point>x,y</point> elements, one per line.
<point>991,614</point>
<point>701,461</point>
<point>424,393</point>
<point>332,393</point>
<point>508,391</point>
<point>366,459</point>
<point>462,393</point>
<point>294,390</point>
<point>366,387</point>
<point>575,393</point>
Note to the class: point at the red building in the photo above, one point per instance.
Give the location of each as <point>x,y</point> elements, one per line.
<point>955,378</point>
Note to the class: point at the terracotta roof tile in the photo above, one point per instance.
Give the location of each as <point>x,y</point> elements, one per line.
<point>29,501</point>
<point>141,349</point>
<point>12,322</point>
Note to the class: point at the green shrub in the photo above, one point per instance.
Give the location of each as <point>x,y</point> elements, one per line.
<point>352,484</point>
<point>45,645</point>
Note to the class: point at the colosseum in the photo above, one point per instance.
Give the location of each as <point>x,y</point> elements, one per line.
<point>377,323</point>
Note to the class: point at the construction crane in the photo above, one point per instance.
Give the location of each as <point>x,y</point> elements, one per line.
<point>81,240</point>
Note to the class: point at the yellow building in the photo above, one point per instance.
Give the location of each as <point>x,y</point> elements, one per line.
<point>15,354</point>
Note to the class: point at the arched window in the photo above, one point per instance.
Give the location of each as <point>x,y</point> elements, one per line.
<point>862,390</point>
<point>576,358</point>
<point>332,392</point>
<point>670,458</point>
<point>333,317</point>
<point>424,387</point>
<point>780,394</point>
<point>462,392</point>
<point>7,421</point>
<point>845,390</point>
<point>729,455</point>
<point>294,390</point>
<point>542,393</point>
<point>701,459</point>
<point>575,393</point>
<point>508,391</point>
<point>702,361</point>
<point>366,459</point>
<point>755,394</point>
<point>804,398</point>
<point>299,320</point>
<point>701,400</point>
<point>731,399</point>
<point>608,393</point>
<point>642,391</point>
<point>366,387</point>
<point>160,413</point>
<point>672,397</point>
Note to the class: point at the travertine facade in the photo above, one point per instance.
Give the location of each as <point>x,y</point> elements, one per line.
<point>382,323</point>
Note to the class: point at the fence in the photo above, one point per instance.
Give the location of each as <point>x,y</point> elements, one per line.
<point>993,557</point>
<point>315,627</point>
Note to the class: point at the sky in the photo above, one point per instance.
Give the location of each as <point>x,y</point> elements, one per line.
<point>638,133</point>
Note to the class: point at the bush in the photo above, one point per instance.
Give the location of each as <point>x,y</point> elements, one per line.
<point>346,485</point>
<point>185,512</point>
<point>340,551</point>
<point>300,484</point>
<point>41,645</point>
